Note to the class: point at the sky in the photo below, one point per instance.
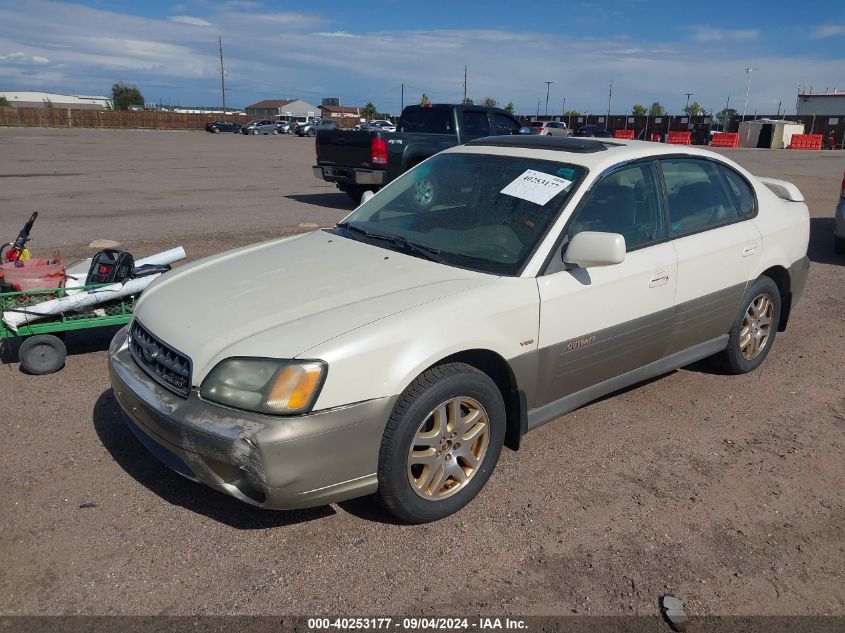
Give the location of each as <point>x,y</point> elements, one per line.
<point>364,51</point>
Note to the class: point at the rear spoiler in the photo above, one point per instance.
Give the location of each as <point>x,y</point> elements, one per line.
<point>783,189</point>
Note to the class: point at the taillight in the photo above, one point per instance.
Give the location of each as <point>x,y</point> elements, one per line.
<point>378,151</point>
<point>317,146</point>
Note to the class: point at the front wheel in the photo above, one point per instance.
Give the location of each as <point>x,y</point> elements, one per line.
<point>753,333</point>
<point>42,354</point>
<point>441,443</point>
<point>255,132</point>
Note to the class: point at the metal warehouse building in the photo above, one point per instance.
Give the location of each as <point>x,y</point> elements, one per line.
<point>822,104</point>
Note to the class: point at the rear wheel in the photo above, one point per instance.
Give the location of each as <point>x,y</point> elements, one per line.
<point>441,443</point>
<point>42,354</point>
<point>753,333</point>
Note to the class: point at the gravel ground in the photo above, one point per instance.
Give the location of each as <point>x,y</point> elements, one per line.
<point>726,491</point>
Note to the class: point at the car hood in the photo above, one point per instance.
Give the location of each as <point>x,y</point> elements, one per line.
<point>281,298</point>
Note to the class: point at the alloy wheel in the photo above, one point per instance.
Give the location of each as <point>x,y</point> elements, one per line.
<point>756,326</point>
<point>448,448</point>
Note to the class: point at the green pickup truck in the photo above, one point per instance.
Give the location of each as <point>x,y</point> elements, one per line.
<point>359,161</point>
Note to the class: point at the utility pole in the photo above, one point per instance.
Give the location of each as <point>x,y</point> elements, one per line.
<point>465,84</point>
<point>402,99</point>
<point>538,108</point>
<point>222,75</point>
<point>609,95</point>
<point>748,70</point>
<point>548,84</point>
<point>688,94</point>
<point>797,99</point>
<point>725,119</point>
<point>563,109</point>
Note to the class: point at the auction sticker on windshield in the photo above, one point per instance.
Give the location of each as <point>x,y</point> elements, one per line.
<point>536,187</point>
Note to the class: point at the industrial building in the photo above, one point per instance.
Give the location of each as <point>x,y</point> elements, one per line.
<point>30,99</point>
<point>822,104</point>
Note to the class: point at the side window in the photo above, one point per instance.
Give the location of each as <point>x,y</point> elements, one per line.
<point>625,201</point>
<point>505,125</point>
<point>741,192</point>
<point>474,124</point>
<point>697,196</point>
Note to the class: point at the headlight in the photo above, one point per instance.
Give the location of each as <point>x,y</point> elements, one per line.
<point>265,385</point>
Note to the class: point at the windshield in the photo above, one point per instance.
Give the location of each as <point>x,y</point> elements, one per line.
<point>481,212</point>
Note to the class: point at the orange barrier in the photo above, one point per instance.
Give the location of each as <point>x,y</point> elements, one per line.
<point>725,139</point>
<point>679,138</point>
<point>629,134</point>
<point>806,141</point>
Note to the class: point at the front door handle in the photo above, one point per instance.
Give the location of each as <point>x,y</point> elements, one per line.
<point>749,250</point>
<point>659,278</point>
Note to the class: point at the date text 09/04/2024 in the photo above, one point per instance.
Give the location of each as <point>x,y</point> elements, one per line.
<point>415,624</point>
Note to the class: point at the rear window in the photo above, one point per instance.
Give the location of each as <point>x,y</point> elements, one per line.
<point>536,124</point>
<point>428,120</point>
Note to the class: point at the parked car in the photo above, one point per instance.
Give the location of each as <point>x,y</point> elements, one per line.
<point>262,126</point>
<point>429,330</point>
<point>283,127</point>
<point>593,131</point>
<point>222,126</point>
<point>839,225</point>
<point>311,129</point>
<point>551,128</point>
<point>367,159</point>
<point>382,124</point>
<point>301,120</point>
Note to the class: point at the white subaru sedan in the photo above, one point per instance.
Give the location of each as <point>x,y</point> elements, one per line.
<point>489,290</point>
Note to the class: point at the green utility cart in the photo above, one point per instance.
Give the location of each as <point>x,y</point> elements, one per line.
<point>42,350</point>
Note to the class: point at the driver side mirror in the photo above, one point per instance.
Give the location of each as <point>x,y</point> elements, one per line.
<point>588,249</point>
<point>524,130</point>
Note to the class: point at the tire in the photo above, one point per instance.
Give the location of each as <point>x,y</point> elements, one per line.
<point>214,130</point>
<point>275,132</point>
<point>354,192</point>
<point>42,354</point>
<point>255,132</point>
<point>312,132</point>
<point>425,488</point>
<point>839,245</point>
<point>753,333</point>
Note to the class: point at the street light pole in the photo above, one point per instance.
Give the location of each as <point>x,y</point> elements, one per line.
<point>688,94</point>
<point>548,84</point>
<point>748,70</point>
<point>797,99</point>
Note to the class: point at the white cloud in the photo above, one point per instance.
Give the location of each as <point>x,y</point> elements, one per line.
<point>828,30</point>
<point>187,19</point>
<point>37,59</point>
<point>714,34</point>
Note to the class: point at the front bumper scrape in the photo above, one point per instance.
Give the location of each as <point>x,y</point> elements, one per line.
<point>267,461</point>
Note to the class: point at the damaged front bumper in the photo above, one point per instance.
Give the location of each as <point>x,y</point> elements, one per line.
<point>267,461</point>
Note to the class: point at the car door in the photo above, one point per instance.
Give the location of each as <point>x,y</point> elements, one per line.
<point>717,245</point>
<point>600,322</point>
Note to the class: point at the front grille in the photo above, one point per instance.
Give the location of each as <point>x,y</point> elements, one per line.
<point>168,367</point>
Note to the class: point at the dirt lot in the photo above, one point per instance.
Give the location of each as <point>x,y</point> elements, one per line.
<point>726,491</point>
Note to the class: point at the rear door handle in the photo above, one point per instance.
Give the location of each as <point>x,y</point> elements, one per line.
<point>659,278</point>
<point>749,250</point>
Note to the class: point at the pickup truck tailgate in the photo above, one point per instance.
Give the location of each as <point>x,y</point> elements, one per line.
<point>344,147</point>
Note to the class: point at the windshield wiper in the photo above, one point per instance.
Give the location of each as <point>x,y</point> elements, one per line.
<point>427,252</point>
